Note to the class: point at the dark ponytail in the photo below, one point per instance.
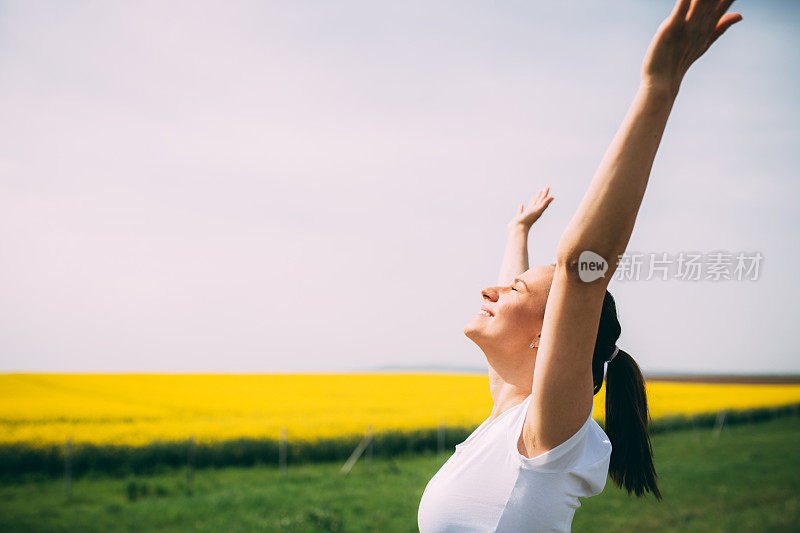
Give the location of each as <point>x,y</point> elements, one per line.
<point>627,416</point>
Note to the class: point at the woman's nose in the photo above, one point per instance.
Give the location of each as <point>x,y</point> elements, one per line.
<point>490,293</point>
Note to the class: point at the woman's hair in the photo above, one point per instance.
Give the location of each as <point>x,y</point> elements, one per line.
<point>627,416</point>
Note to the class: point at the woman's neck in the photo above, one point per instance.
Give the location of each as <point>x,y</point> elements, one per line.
<point>508,390</point>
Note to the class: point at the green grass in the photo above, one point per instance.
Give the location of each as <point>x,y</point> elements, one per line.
<point>747,480</point>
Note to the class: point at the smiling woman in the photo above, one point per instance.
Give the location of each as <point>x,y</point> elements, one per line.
<point>539,451</point>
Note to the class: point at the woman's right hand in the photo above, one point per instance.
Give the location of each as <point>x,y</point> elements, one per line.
<point>529,214</point>
<point>683,37</point>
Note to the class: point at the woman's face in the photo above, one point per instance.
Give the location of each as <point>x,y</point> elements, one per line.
<point>512,315</point>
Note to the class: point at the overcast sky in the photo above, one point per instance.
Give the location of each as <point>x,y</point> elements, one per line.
<point>324,186</point>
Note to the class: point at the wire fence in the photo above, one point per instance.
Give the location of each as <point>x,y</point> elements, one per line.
<point>71,459</point>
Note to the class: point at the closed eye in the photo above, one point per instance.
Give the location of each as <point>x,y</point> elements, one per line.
<point>517,280</point>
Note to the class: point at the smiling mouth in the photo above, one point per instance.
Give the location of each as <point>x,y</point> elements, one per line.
<point>484,312</point>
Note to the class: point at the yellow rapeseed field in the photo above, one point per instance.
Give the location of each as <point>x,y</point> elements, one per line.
<point>136,409</point>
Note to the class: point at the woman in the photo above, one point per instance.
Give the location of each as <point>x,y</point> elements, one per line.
<point>548,331</point>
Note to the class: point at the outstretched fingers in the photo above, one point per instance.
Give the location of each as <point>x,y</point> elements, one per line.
<point>540,195</point>
<point>700,9</point>
<point>724,23</point>
<point>679,11</point>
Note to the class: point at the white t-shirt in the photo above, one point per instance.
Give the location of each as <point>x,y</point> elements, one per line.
<point>488,485</point>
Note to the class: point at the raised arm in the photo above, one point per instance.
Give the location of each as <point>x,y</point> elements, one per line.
<point>515,257</point>
<point>604,220</point>
<point>562,381</point>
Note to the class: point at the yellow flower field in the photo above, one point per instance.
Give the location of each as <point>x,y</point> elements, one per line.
<point>137,409</point>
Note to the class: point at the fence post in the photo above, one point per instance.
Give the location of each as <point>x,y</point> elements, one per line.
<point>351,461</point>
<point>190,462</point>
<point>68,469</point>
<point>719,423</point>
<point>440,447</point>
<point>282,452</point>
<point>369,448</point>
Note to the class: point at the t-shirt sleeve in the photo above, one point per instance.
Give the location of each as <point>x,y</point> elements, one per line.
<point>584,456</point>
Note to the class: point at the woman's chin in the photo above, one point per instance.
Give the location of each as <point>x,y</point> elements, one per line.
<point>474,329</point>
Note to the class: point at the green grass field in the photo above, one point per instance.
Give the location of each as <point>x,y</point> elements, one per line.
<point>746,480</point>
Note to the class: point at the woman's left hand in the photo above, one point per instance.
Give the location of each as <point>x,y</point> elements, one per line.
<point>530,214</point>
<point>683,37</point>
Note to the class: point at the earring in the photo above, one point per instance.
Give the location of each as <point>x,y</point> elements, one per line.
<point>533,344</point>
